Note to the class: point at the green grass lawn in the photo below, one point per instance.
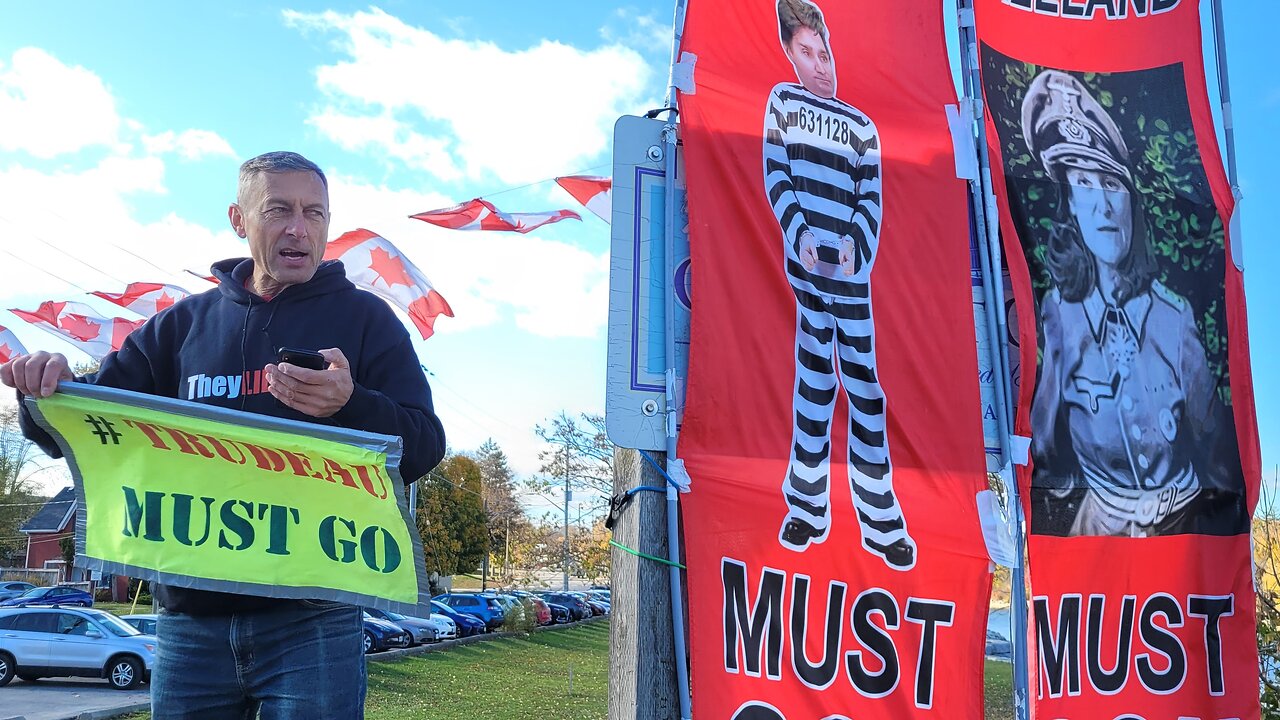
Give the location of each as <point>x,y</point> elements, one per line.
<point>529,678</point>
<point>499,680</point>
<point>998,682</point>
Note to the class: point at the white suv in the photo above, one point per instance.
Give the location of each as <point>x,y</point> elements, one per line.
<point>38,642</point>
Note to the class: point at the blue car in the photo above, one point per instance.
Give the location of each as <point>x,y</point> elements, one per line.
<point>384,635</point>
<point>13,589</point>
<point>467,624</point>
<point>485,606</point>
<point>56,595</point>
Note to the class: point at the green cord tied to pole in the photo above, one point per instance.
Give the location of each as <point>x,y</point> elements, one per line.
<point>646,556</point>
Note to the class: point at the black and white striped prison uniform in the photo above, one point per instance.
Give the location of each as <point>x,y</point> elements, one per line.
<point>822,174</point>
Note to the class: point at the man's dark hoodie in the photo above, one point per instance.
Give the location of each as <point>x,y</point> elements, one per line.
<point>211,348</point>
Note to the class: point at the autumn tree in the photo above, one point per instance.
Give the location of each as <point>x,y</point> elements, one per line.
<point>507,520</point>
<point>579,448</point>
<point>451,518</point>
<point>19,499</point>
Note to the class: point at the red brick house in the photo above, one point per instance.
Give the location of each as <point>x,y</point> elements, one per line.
<point>54,521</point>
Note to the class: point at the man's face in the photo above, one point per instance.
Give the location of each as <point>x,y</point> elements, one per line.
<point>812,60</point>
<point>285,216</point>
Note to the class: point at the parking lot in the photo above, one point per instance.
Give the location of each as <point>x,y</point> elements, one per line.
<point>54,699</point>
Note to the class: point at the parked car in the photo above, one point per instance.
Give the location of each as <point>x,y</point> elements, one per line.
<point>535,605</point>
<point>14,588</point>
<point>56,595</point>
<point>599,605</point>
<point>467,625</point>
<point>559,613</point>
<point>485,607</point>
<point>420,631</point>
<point>513,606</point>
<point>73,642</point>
<point>144,622</point>
<point>446,628</point>
<point>382,635</point>
<point>578,610</point>
<point>998,646</point>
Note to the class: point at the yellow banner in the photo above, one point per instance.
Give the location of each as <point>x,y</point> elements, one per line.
<point>214,499</point>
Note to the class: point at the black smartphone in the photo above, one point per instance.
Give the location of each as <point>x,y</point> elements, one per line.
<point>301,358</point>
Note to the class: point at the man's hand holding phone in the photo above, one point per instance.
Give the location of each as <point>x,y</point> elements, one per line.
<point>300,380</point>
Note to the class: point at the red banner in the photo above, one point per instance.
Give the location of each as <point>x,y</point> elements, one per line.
<point>833,430</point>
<point>1144,455</point>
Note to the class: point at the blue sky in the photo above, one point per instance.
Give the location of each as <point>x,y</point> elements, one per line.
<point>121,127</point>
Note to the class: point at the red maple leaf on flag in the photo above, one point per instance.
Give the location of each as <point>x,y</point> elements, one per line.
<point>164,302</point>
<point>389,269</point>
<point>79,327</point>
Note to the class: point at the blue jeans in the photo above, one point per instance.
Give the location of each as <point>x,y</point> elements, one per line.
<point>304,660</point>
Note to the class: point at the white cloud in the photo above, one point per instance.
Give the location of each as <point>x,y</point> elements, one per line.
<point>550,288</point>
<point>642,32</point>
<point>385,134</point>
<point>94,242</point>
<point>49,109</point>
<point>521,115</point>
<point>189,144</point>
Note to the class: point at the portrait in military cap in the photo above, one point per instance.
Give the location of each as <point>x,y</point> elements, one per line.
<point>1132,431</point>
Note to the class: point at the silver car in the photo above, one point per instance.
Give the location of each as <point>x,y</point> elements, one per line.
<point>38,642</point>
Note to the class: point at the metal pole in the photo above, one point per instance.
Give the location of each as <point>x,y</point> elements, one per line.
<point>1224,93</point>
<point>987,216</point>
<point>672,418</point>
<point>484,568</point>
<point>566,518</point>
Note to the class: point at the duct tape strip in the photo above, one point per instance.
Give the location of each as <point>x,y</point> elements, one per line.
<point>1237,240</point>
<point>1019,449</point>
<point>960,121</point>
<point>682,73</point>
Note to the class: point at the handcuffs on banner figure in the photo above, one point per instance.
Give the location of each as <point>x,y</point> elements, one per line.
<point>830,270</point>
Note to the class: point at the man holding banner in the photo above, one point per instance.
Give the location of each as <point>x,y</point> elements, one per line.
<point>232,654</point>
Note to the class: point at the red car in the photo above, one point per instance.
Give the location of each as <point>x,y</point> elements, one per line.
<point>542,611</point>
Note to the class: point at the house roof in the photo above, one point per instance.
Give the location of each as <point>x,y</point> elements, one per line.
<point>55,513</point>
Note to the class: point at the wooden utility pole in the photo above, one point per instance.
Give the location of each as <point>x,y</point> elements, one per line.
<point>642,674</point>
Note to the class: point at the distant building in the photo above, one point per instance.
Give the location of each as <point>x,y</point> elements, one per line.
<point>54,521</point>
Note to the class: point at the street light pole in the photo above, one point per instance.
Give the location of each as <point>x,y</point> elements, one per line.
<point>484,571</point>
<point>567,496</point>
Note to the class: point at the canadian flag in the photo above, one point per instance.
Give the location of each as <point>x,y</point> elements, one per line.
<point>482,215</point>
<point>97,336</point>
<point>10,347</point>
<point>146,298</point>
<point>376,265</point>
<point>593,191</point>
<point>207,278</point>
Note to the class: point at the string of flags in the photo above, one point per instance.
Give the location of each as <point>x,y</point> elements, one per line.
<point>372,263</point>
<point>10,346</point>
<point>146,299</point>
<point>594,192</point>
<point>80,325</point>
<point>480,214</point>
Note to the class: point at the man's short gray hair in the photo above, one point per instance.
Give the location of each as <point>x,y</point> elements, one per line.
<point>279,161</point>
